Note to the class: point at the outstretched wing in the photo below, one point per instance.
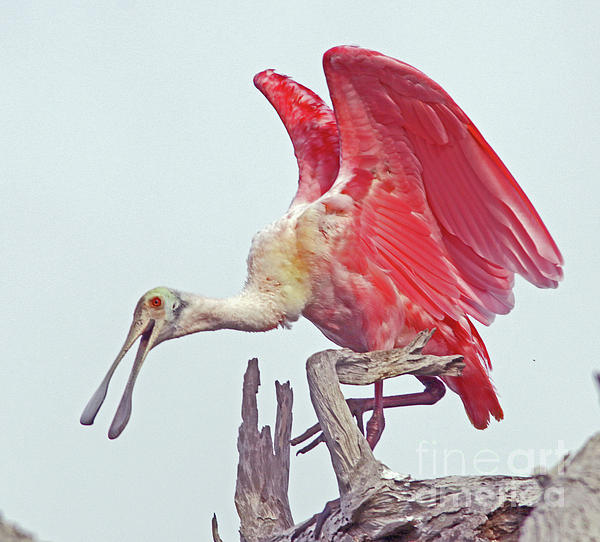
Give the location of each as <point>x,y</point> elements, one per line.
<point>311,126</point>
<point>434,203</point>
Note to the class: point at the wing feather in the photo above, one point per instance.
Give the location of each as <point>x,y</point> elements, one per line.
<point>448,219</point>
<point>311,125</point>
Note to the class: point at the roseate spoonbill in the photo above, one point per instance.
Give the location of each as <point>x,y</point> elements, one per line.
<point>404,219</point>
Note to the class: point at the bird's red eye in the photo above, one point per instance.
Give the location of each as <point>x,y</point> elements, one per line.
<point>156,301</point>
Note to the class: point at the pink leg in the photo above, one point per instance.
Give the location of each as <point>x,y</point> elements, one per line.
<point>377,422</point>
<point>433,392</point>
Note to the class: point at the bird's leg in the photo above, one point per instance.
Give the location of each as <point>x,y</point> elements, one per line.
<point>312,444</point>
<point>433,392</point>
<point>357,408</point>
<point>311,431</point>
<point>377,422</point>
<point>359,420</point>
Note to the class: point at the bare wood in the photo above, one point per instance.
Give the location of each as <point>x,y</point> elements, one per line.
<point>215,529</point>
<point>263,470</point>
<point>378,504</point>
<point>570,505</point>
<point>351,457</point>
<point>470,508</point>
<point>454,508</point>
<point>9,532</point>
<point>365,368</point>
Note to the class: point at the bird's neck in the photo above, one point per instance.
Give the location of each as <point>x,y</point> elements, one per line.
<point>251,310</point>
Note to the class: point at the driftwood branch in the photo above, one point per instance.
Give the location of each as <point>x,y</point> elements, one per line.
<point>378,504</point>
<point>571,507</point>
<point>261,492</point>
<point>215,529</point>
<point>366,368</point>
<point>352,459</point>
<point>9,532</point>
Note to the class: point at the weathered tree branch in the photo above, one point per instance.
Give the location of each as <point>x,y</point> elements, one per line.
<point>9,532</point>
<point>570,509</point>
<point>215,529</point>
<point>352,459</point>
<point>361,369</point>
<point>261,492</point>
<point>378,504</point>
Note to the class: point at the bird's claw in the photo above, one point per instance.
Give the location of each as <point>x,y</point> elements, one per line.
<point>357,408</point>
<point>311,431</point>
<point>312,444</point>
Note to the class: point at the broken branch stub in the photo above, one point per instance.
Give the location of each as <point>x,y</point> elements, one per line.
<point>261,488</point>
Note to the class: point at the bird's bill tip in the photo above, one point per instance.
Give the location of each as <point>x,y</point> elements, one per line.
<point>123,412</point>
<point>148,331</point>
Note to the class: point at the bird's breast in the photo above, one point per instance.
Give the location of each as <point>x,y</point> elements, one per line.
<point>353,301</point>
<point>307,264</point>
<point>277,267</point>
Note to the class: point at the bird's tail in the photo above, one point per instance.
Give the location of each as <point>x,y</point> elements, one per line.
<point>474,386</point>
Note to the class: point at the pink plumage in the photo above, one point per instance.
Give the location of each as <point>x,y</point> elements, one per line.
<point>432,226</point>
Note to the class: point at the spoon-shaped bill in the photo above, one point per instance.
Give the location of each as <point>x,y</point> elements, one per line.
<point>123,412</point>
<point>94,404</point>
<point>91,409</point>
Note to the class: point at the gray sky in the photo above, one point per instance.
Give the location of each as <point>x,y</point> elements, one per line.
<point>135,152</point>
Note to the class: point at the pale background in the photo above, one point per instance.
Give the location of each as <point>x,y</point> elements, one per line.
<point>135,152</point>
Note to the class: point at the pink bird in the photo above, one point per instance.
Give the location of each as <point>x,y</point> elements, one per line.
<point>404,219</point>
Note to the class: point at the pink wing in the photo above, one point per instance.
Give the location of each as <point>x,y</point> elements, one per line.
<point>311,126</point>
<point>436,206</point>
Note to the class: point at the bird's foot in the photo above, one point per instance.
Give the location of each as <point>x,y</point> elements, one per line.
<point>375,427</point>
<point>433,392</point>
<point>357,408</point>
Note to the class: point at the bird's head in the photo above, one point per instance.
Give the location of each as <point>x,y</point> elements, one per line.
<point>155,321</point>
<point>156,315</point>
